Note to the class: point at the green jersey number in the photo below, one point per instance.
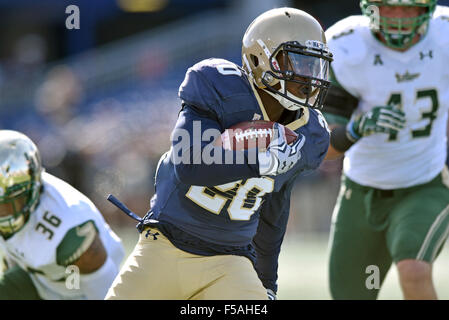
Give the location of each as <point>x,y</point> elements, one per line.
<point>432,94</point>
<point>50,219</point>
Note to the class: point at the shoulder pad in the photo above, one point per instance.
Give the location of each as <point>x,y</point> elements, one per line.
<point>346,39</point>
<point>60,197</point>
<point>210,81</point>
<point>75,242</point>
<point>439,27</point>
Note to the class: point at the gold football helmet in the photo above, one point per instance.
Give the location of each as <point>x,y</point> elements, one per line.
<point>20,180</point>
<point>287,46</point>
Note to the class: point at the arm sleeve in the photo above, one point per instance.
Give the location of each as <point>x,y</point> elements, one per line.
<point>198,162</point>
<point>75,242</point>
<point>95,285</point>
<point>339,102</point>
<point>337,110</point>
<point>270,234</point>
<point>16,284</point>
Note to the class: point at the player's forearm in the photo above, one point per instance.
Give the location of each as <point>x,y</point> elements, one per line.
<point>269,237</point>
<point>268,248</point>
<point>339,143</point>
<point>333,154</point>
<point>223,171</point>
<point>95,285</point>
<point>198,161</point>
<point>267,270</point>
<point>338,109</point>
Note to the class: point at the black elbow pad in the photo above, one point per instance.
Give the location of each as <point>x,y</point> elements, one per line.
<point>340,102</point>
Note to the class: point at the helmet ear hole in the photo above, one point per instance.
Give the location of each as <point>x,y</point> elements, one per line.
<point>254,60</point>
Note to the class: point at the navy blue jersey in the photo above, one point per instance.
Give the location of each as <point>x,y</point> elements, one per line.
<point>220,204</point>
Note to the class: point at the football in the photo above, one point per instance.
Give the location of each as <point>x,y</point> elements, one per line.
<point>250,134</point>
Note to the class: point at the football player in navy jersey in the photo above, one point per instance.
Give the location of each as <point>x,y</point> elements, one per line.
<point>214,230</point>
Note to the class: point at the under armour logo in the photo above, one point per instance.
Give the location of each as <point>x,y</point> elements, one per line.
<point>378,60</point>
<point>423,55</point>
<point>149,233</point>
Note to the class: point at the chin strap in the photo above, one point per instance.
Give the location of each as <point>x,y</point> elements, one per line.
<point>286,103</point>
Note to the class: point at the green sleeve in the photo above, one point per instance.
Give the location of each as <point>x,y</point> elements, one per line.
<point>16,284</point>
<point>76,241</point>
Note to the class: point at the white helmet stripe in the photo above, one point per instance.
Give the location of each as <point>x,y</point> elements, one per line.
<point>268,54</point>
<point>264,47</point>
<point>250,70</point>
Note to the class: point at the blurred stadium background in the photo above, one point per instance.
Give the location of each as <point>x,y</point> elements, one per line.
<point>100,103</point>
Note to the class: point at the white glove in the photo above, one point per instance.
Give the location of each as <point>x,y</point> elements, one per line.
<point>279,156</point>
<point>271,295</point>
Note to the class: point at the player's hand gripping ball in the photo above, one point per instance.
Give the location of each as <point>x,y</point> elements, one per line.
<point>278,147</point>
<point>251,134</point>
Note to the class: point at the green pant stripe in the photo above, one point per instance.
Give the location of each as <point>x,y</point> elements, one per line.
<point>431,233</point>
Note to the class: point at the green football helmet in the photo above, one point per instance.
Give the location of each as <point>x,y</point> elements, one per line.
<point>20,181</point>
<point>399,32</point>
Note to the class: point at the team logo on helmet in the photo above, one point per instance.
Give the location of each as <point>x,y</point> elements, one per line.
<point>284,53</point>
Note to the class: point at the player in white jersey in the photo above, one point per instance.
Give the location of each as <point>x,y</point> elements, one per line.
<point>389,108</point>
<point>57,244</point>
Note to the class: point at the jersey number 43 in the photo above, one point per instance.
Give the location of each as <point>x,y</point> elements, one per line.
<point>430,114</point>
